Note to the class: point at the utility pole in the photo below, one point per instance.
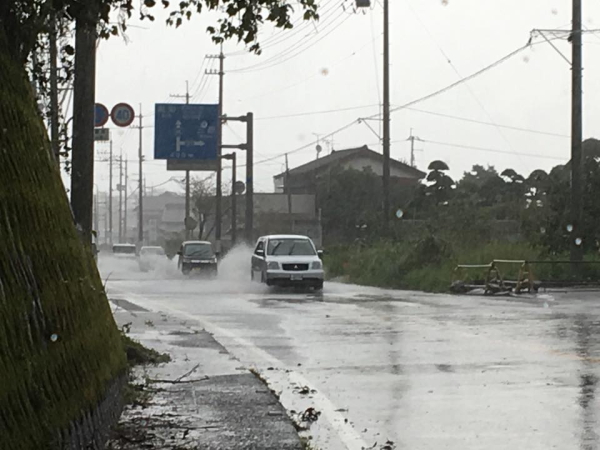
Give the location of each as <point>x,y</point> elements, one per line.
<point>84,87</point>
<point>187,172</point>
<point>120,189</point>
<point>54,88</point>
<point>140,186</point>
<point>233,158</point>
<point>250,178</point>
<point>110,195</point>
<point>218,206</point>
<point>412,140</point>
<point>126,236</point>
<point>289,193</point>
<point>96,218</point>
<point>249,148</point>
<point>576,131</point>
<point>386,113</point>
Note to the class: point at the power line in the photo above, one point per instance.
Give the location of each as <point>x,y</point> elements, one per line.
<point>312,113</point>
<point>204,81</point>
<point>465,79</point>
<point>326,136</point>
<point>285,88</point>
<point>296,48</point>
<point>491,150</point>
<point>481,122</point>
<point>413,102</point>
<point>199,75</point>
<point>286,35</point>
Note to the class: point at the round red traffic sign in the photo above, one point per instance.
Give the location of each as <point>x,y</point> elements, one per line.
<point>122,115</point>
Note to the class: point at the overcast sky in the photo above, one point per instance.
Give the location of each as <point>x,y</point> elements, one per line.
<point>336,65</point>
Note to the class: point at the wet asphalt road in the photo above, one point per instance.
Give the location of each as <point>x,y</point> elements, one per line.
<point>424,371</point>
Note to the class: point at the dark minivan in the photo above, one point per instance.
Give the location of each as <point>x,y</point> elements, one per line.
<point>197,256</point>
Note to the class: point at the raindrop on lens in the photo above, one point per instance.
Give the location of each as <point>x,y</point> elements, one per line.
<point>578,241</point>
<point>569,228</point>
<point>54,337</point>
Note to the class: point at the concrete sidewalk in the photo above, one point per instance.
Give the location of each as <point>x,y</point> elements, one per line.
<point>202,399</point>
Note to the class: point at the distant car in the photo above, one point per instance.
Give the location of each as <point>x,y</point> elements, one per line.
<point>287,261</point>
<point>126,251</point>
<point>150,256</point>
<point>197,256</point>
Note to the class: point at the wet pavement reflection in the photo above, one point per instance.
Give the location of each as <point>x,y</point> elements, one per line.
<point>424,371</point>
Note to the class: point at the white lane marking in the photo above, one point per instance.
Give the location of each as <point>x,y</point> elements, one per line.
<point>346,433</point>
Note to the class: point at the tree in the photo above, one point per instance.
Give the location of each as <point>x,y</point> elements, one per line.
<point>351,200</point>
<point>440,184</point>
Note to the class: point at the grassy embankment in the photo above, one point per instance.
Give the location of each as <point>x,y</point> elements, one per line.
<point>60,349</point>
<point>428,265</point>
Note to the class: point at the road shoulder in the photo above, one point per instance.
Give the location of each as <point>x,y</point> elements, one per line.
<point>202,399</point>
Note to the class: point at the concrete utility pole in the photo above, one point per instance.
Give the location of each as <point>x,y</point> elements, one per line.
<point>218,206</point>
<point>140,186</point>
<point>96,218</point>
<point>84,88</point>
<point>576,132</point>
<point>54,106</point>
<point>125,198</point>
<point>110,195</point>
<point>386,113</point>
<point>412,140</point>
<point>120,189</point>
<point>250,178</point>
<point>289,193</point>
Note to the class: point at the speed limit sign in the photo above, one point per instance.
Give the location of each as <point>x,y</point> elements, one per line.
<point>122,115</point>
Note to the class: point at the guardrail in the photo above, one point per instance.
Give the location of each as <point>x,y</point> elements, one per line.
<point>493,280</point>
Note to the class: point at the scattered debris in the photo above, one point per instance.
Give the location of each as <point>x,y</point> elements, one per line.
<point>389,445</point>
<point>310,415</point>
<point>304,390</point>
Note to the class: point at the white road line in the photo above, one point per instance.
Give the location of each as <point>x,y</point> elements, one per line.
<point>346,433</point>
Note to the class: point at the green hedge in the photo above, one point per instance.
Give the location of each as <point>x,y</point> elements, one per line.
<point>49,286</point>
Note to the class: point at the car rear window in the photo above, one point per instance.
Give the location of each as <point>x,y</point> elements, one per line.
<point>198,250</point>
<point>124,249</point>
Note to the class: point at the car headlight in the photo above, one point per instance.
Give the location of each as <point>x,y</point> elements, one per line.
<point>316,265</point>
<point>273,265</point>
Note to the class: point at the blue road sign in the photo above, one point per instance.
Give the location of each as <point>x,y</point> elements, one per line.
<point>186,132</point>
<point>100,115</point>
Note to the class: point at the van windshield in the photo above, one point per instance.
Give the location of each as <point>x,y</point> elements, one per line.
<point>293,247</point>
<point>200,250</point>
